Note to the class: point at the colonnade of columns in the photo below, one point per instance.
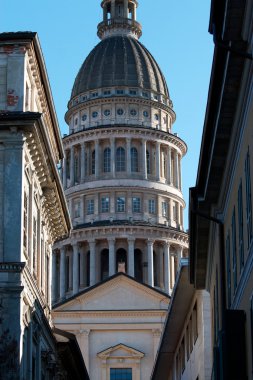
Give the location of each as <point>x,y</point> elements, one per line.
<point>167,161</point>
<point>166,267</point>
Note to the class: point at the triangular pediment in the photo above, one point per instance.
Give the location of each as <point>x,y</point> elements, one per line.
<point>120,351</point>
<point>120,292</point>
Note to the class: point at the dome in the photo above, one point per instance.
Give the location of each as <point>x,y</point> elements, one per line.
<point>120,61</point>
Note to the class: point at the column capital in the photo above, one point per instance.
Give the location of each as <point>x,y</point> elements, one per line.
<point>150,242</point>
<point>166,244</point>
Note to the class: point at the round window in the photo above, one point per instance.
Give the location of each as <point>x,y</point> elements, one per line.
<point>145,113</point>
<point>107,112</point>
<point>120,111</point>
<point>84,117</point>
<point>133,112</point>
<point>94,114</point>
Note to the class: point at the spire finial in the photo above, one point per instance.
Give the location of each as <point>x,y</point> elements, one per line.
<point>119,18</point>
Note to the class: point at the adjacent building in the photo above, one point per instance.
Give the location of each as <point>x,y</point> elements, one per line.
<point>114,274</point>
<point>185,349</point>
<point>221,249</point>
<point>33,214</point>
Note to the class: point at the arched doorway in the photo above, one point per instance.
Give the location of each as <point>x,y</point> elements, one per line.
<point>104,264</point>
<point>121,257</point>
<point>138,272</point>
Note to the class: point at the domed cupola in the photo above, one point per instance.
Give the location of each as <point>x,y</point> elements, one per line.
<point>119,67</point>
<point>122,167</point>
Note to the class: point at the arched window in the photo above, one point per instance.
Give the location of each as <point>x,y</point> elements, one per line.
<point>77,168</point>
<point>148,161</point>
<point>104,260</point>
<point>121,260</point>
<point>134,160</point>
<point>93,162</point>
<point>107,160</point>
<point>120,160</point>
<point>138,265</point>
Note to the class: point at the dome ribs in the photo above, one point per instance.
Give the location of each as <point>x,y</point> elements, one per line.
<point>136,65</point>
<point>120,61</point>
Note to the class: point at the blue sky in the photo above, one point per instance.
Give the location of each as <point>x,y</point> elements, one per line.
<point>175,32</point>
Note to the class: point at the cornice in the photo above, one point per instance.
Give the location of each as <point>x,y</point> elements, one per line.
<point>103,314</point>
<point>158,234</point>
<point>117,131</point>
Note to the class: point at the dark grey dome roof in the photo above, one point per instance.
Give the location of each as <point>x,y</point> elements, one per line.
<point>120,61</point>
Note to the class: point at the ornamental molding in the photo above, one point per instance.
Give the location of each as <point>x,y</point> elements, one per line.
<point>107,132</point>
<point>105,314</point>
<point>158,234</point>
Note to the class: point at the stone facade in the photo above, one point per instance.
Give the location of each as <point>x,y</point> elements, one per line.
<point>33,211</point>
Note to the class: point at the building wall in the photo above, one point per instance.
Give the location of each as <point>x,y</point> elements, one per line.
<point>29,185</point>
<point>193,355</point>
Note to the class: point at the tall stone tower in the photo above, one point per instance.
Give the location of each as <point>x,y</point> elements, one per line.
<point>122,180</point>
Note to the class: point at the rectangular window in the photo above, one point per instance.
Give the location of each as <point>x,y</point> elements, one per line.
<point>164,209</point>
<point>248,198</point>
<point>136,204</point>
<point>121,374</point>
<point>132,92</point>
<point>107,92</point>
<point>77,210</point>
<point>145,94</point>
<point>94,94</point>
<point>121,204</point>
<point>228,262</point>
<point>25,223</point>
<point>120,92</point>
<point>151,206</point>
<point>234,253</point>
<point>105,204</point>
<point>240,226</point>
<point>90,206</point>
<point>34,245</point>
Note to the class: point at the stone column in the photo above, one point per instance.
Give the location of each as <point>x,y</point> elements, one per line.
<point>82,162</point>
<point>158,161</point>
<point>130,259</point>
<point>126,8</point>
<point>72,165</point>
<point>167,267</point>
<point>62,272</point>
<point>92,244</point>
<point>179,255</point>
<point>54,276</point>
<point>144,159</point>
<point>175,169</point>
<point>172,271</point>
<point>75,275</point>
<point>83,340</point>
<point>112,141</point>
<point>169,165</point>
<point>134,12</point>
<point>113,9</point>
<point>156,340</point>
<point>64,174</point>
<point>97,159</point>
<point>150,263</point>
<point>128,156</point>
<point>179,173</point>
<point>112,257</point>
<point>161,268</point>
